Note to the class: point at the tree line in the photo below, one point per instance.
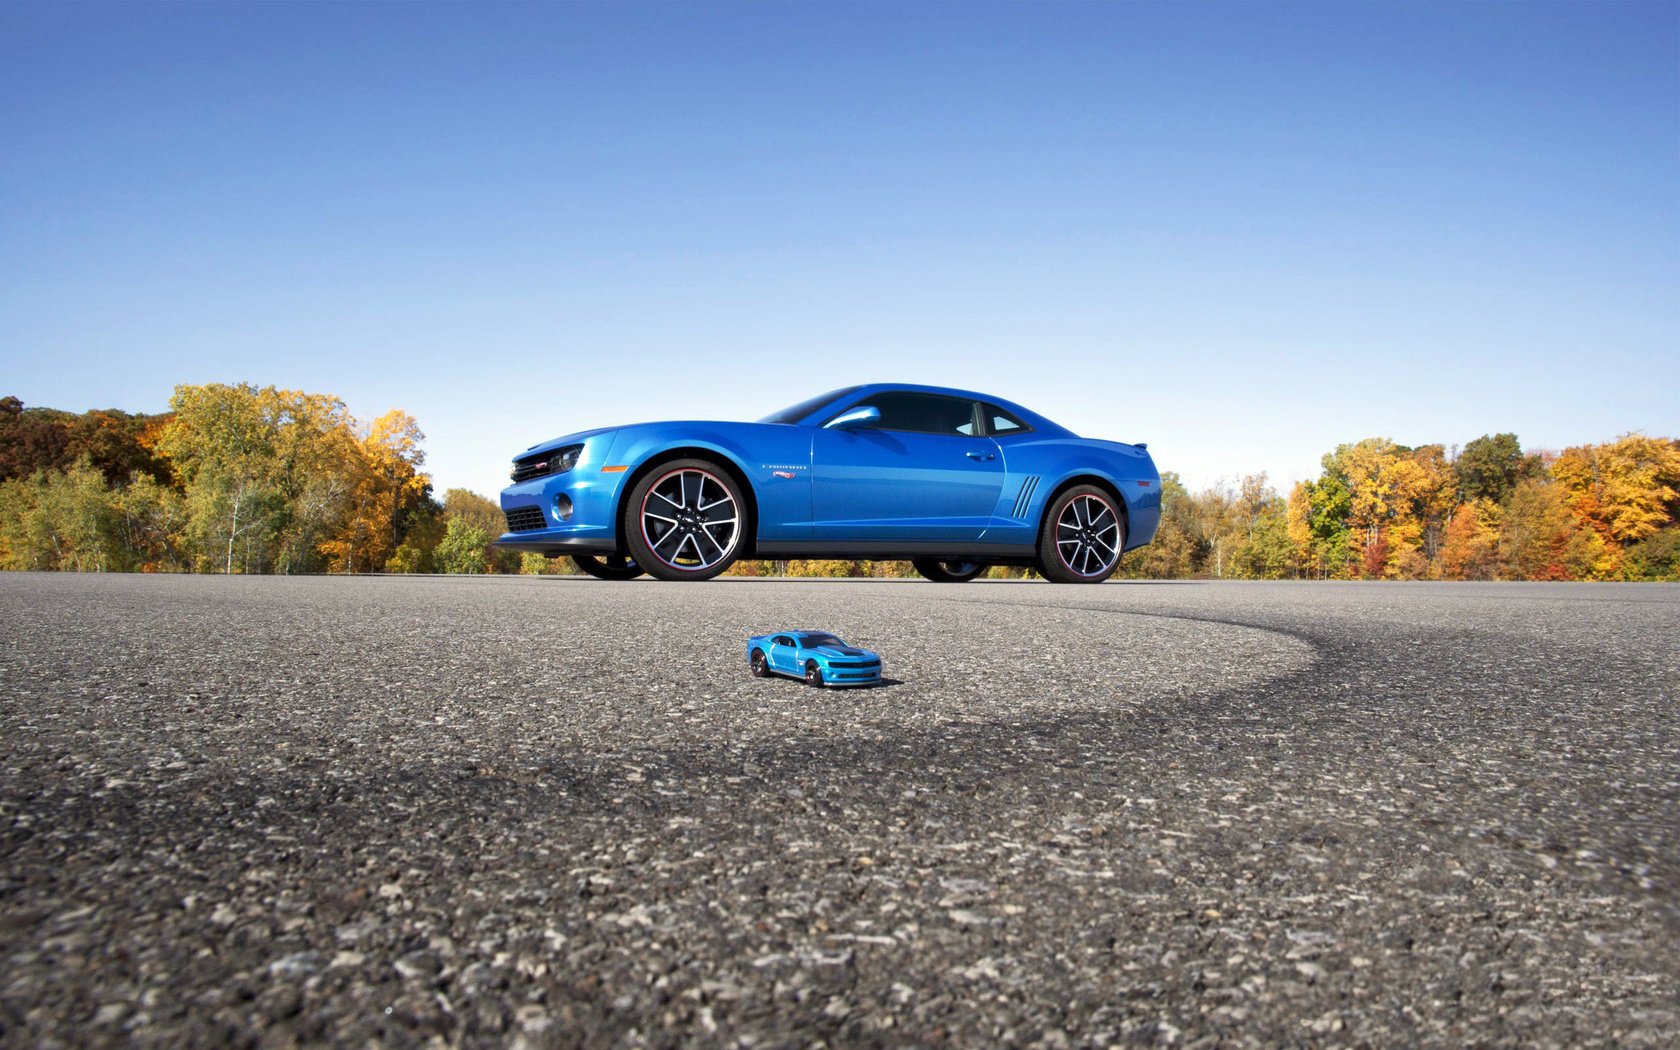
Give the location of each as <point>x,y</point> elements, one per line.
<point>242,479</point>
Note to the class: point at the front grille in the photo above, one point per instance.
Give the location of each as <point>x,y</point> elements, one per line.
<point>527,471</point>
<point>525,519</point>
<point>854,663</point>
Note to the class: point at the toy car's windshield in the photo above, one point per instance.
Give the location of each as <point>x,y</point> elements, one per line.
<point>812,641</point>
<point>794,413</point>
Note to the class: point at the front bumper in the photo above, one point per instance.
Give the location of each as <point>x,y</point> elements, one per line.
<point>592,527</point>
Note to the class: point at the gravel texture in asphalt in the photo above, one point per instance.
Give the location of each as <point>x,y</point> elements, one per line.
<point>557,812</point>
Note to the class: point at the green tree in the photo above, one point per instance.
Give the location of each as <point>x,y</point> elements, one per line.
<point>486,516</point>
<point>150,519</point>
<point>1656,557</point>
<point>422,530</point>
<point>62,520</point>
<point>1269,553</point>
<point>1491,466</point>
<point>462,549</point>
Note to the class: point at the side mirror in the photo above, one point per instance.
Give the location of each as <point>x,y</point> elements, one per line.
<point>863,416</point>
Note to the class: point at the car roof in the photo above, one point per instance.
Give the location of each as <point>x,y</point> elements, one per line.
<point>1038,422</point>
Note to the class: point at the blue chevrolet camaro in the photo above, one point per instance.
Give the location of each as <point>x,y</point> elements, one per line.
<point>952,480</point>
<point>820,658</point>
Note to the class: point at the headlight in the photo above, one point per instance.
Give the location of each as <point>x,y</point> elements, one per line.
<point>558,461</point>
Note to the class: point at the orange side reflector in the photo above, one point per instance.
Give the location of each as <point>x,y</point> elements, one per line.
<point>1143,484</point>
<point>614,470</point>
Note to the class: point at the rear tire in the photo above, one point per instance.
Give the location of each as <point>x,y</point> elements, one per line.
<point>760,669</point>
<point>947,571</point>
<point>612,567</point>
<point>1081,537</point>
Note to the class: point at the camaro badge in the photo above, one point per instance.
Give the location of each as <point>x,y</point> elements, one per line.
<point>788,474</point>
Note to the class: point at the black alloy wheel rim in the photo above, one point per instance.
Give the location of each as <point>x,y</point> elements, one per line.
<point>690,520</point>
<point>1088,535</point>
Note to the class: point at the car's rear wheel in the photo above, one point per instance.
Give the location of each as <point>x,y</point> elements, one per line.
<point>947,571</point>
<point>813,674</point>
<point>685,521</point>
<point>760,668</point>
<point>1082,536</point>
<point>611,567</point>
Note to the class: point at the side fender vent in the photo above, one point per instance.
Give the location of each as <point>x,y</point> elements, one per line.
<point>1028,486</point>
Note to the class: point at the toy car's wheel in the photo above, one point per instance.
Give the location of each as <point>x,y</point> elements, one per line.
<point>760,668</point>
<point>1082,536</point>
<point>813,674</point>
<point>947,571</point>
<point>612,567</point>
<point>685,521</point>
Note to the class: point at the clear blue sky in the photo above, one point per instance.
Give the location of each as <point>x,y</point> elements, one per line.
<point>1241,232</point>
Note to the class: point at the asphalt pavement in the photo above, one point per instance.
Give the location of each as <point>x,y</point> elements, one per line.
<point>559,812</point>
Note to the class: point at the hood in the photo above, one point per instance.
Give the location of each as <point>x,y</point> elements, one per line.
<point>841,650</point>
<point>567,439</point>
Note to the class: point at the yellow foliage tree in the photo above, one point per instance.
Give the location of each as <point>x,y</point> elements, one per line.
<point>1626,489</point>
<point>1471,547</point>
<point>386,479</point>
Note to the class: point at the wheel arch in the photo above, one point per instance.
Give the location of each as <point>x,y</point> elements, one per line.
<point>727,462</point>
<point>1086,477</point>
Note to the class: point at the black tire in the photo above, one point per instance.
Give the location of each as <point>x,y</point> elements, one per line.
<point>1081,536</point>
<point>813,674</point>
<point>947,571</point>
<point>760,668</point>
<point>672,523</point>
<point>611,567</point>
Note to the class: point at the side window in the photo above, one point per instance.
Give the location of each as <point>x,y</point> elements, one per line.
<point>1000,422</point>
<point>924,413</point>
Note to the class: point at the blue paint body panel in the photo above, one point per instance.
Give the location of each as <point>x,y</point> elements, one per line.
<point>817,491</point>
<point>839,663</point>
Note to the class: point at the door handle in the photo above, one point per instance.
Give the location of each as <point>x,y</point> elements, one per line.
<point>978,456</point>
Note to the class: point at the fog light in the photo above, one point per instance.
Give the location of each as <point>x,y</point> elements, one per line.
<point>563,507</point>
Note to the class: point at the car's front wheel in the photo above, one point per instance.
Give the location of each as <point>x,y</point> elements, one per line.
<point>612,567</point>
<point>813,674</point>
<point>685,521</point>
<point>1082,536</point>
<point>947,571</point>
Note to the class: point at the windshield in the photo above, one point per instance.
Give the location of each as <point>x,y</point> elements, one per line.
<point>794,413</point>
<point>813,641</point>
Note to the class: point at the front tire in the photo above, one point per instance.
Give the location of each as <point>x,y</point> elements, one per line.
<point>612,567</point>
<point>685,520</point>
<point>1082,536</point>
<point>947,571</point>
<point>813,674</point>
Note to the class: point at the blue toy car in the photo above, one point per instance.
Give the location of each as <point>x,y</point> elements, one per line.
<point>951,480</point>
<point>818,657</point>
